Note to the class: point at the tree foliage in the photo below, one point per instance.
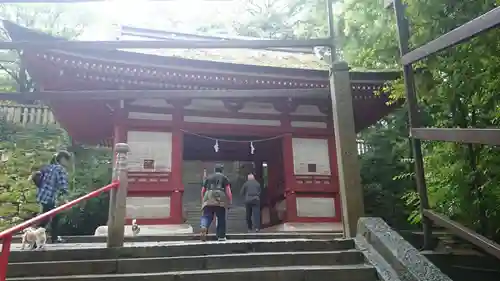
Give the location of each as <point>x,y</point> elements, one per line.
<point>93,168</point>
<point>457,88</point>
<point>55,19</point>
<point>25,150</point>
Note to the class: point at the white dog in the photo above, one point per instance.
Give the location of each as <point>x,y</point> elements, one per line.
<point>34,236</point>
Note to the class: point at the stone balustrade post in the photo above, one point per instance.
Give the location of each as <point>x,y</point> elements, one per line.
<point>351,190</point>
<point>118,198</point>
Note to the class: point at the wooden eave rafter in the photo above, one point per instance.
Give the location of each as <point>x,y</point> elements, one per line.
<point>173,81</point>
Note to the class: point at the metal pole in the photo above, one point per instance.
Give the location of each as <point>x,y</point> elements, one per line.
<point>413,116</point>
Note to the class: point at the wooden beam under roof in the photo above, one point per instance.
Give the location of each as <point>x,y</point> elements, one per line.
<point>166,94</point>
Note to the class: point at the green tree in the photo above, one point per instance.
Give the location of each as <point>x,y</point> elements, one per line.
<point>59,20</point>
<point>276,19</point>
<point>457,88</point>
<point>23,151</point>
<point>93,168</point>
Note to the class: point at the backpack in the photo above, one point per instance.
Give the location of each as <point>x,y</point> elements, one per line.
<point>215,194</point>
<point>37,177</point>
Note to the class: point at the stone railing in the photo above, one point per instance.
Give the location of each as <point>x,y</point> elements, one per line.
<point>394,258</point>
<point>24,114</point>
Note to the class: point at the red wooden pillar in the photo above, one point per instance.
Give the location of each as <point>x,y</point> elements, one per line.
<point>272,179</point>
<point>176,212</point>
<point>289,179</point>
<point>288,169</point>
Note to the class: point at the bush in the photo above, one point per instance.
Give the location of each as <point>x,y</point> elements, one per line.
<point>26,149</point>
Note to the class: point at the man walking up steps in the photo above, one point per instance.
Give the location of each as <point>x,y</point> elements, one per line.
<point>216,197</point>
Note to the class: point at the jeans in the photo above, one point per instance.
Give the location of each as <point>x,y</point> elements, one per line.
<point>208,216</point>
<point>253,215</point>
<point>54,221</point>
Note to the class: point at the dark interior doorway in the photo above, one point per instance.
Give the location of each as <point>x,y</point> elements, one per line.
<point>200,158</point>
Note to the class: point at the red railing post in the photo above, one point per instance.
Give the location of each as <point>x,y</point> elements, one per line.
<point>4,256</point>
<point>118,199</point>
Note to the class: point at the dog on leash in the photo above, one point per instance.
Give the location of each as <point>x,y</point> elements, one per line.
<point>135,227</point>
<point>34,236</point>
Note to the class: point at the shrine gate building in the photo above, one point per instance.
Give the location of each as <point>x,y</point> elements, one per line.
<point>289,135</point>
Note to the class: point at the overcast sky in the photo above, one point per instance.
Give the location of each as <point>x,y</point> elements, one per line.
<point>189,14</point>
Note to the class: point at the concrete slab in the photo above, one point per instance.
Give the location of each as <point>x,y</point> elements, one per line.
<point>286,273</point>
<point>190,237</point>
<point>64,252</point>
<point>162,264</point>
<point>69,246</point>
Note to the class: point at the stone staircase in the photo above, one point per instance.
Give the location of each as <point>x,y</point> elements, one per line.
<point>235,218</point>
<point>258,259</point>
<point>376,253</point>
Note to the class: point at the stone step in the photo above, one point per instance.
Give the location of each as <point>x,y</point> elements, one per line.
<point>66,252</point>
<point>163,264</point>
<point>192,237</point>
<point>358,272</point>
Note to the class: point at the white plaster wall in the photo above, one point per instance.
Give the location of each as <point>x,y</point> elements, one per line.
<point>311,151</point>
<point>315,207</point>
<point>308,124</point>
<point>307,110</point>
<point>259,108</point>
<point>148,207</point>
<point>207,105</point>
<point>151,103</point>
<point>150,116</point>
<point>218,106</point>
<point>155,146</point>
<point>232,121</point>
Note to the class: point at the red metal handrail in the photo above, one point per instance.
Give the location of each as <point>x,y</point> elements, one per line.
<point>6,235</point>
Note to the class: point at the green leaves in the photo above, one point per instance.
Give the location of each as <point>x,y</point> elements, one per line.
<point>26,149</point>
<point>23,151</point>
